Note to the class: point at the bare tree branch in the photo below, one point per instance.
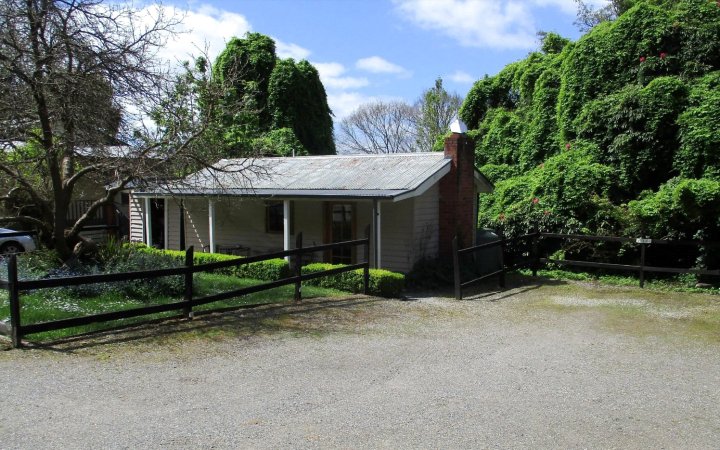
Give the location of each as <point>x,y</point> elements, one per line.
<point>378,128</point>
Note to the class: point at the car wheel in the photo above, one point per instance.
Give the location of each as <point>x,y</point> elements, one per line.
<point>10,248</point>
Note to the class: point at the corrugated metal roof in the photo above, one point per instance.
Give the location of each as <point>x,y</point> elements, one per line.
<point>316,176</point>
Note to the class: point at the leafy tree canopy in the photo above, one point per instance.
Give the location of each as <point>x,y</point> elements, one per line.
<point>615,133</point>
<point>278,94</point>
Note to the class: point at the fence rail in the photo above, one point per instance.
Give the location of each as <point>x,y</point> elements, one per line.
<point>535,260</point>
<point>15,286</point>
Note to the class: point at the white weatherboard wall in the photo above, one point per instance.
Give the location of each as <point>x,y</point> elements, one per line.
<point>426,224</point>
<point>396,237</point>
<point>173,220</point>
<point>237,222</point>
<point>137,230</point>
<point>409,228</point>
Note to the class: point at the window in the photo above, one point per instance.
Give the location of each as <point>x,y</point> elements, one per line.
<point>274,217</point>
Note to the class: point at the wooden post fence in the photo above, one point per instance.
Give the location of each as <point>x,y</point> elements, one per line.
<point>456,268</point>
<point>501,276</point>
<point>189,263</point>
<point>643,244</point>
<point>15,287</point>
<point>366,269</point>
<point>535,252</point>
<point>14,298</point>
<point>298,268</point>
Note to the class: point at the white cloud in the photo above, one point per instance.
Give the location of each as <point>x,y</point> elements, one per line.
<point>204,29</point>
<point>476,23</point>
<point>461,77</point>
<point>294,51</point>
<point>376,64</point>
<point>331,76</point>
<point>566,6</point>
<point>344,103</point>
<point>207,28</point>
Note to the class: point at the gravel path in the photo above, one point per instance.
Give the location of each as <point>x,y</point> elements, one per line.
<point>492,371</point>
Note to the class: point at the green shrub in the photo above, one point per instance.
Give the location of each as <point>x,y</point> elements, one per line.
<point>45,264</point>
<point>270,270</point>
<point>382,282</point>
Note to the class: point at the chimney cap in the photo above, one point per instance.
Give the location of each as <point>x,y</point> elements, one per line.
<point>458,126</point>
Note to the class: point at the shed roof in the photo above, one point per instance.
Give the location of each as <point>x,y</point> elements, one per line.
<point>394,176</point>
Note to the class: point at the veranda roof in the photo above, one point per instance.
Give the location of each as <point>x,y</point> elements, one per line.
<point>395,176</point>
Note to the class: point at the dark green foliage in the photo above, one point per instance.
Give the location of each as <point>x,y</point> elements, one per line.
<point>499,137</point>
<point>566,193</point>
<point>609,57</point>
<point>244,68</point>
<point>636,131</point>
<point>277,94</point>
<point>699,153</point>
<point>115,259</point>
<point>682,208</point>
<point>279,142</point>
<point>591,127</point>
<point>270,270</point>
<point>477,102</point>
<point>540,137</point>
<point>382,282</point>
<point>298,101</point>
<point>499,172</point>
<point>553,42</point>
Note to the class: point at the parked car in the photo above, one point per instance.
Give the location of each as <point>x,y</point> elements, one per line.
<point>15,244</point>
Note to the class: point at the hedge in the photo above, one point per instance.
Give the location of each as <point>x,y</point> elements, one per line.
<point>382,282</point>
<point>270,270</point>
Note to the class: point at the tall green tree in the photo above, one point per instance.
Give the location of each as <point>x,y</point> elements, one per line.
<point>276,94</point>
<point>435,109</point>
<point>244,67</point>
<point>636,97</point>
<point>297,100</point>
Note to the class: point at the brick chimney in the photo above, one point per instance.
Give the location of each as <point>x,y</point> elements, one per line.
<point>457,193</point>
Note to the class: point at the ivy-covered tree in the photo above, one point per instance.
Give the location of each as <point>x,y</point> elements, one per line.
<point>244,68</point>
<point>297,100</point>
<point>277,94</point>
<point>634,100</point>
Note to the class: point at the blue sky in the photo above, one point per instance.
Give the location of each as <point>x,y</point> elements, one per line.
<point>381,49</point>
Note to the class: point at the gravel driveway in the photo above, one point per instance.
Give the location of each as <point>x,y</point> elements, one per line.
<point>536,366</point>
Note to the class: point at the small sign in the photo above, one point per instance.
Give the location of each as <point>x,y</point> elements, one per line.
<point>643,241</point>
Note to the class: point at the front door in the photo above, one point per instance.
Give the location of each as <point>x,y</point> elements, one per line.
<point>157,213</point>
<point>340,226</point>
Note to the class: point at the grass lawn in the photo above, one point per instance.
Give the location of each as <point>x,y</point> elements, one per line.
<point>54,304</point>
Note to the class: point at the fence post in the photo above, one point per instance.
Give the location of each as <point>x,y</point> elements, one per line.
<point>366,269</point>
<point>501,277</point>
<point>642,265</point>
<point>189,263</point>
<point>14,297</point>
<point>456,268</point>
<point>298,268</point>
<point>535,252</point>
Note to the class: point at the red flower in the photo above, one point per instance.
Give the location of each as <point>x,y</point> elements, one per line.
<point>535,201</point>
<point>642,59</point>
<point>663,55</point>
<point>567,146</point>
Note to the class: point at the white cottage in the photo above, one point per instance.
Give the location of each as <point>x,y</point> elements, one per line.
<point>412,203</point>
